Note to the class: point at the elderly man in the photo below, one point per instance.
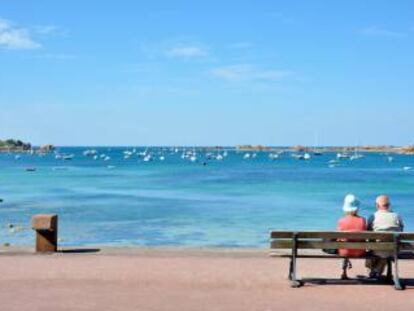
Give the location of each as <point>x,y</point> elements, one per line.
<point>383,220</point>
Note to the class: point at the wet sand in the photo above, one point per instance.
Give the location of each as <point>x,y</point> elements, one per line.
<point>182,279</point>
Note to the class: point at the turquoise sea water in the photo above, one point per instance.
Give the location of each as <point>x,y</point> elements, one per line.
<point>232,202</point>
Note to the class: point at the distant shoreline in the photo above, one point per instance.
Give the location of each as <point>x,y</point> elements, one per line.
<point>338,149</point>
<point>243,148</point>
<point>18,146</point>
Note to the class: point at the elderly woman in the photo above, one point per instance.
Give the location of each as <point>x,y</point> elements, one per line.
<point>351,222</point>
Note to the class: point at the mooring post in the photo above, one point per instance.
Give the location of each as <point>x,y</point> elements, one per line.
<point>46,227</point>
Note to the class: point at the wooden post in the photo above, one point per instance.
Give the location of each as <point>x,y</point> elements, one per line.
<point>46,227</point>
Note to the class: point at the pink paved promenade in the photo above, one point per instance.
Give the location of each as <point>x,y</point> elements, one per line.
<point>140,279</point>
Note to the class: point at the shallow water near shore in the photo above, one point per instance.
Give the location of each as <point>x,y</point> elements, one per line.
<point>232,202</point>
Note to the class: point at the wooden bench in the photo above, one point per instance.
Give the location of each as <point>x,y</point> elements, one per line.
<point>399,244</point>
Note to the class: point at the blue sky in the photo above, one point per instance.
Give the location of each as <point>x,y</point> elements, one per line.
<point>207,72</point>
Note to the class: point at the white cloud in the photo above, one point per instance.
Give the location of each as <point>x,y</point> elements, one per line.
<point>12,37</point>
<point>49,30</point>
<point>45,29</point>
<point>4,24</point>
<point>375,31</point>
<point>247,72</point>
<point>183,49</point>
<point>186,51</point>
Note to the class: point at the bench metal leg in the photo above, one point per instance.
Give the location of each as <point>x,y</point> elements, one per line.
<point>346,263</point>
<point>396,278</point>
<point>290,269</point>
<point>389,277</point>
<point>294,282</point>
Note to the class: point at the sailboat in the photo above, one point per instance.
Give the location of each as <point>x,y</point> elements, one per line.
<point>342,156</point>
<point>316,149</point>
<point>356,155</point>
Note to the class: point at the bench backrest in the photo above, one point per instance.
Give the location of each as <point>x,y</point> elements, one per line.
<point>368,240</point>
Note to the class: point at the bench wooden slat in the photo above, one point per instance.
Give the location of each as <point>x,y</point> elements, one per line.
<point>365,235</point>
<point>408,236</point>
<point>377,246</point>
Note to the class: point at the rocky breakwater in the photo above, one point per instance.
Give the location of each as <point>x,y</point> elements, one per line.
<point>14,145</point>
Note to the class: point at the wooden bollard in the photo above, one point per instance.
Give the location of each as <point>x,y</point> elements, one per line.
<point>46,227</point>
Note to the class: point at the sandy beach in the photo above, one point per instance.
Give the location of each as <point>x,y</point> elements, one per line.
<point>182,279</point>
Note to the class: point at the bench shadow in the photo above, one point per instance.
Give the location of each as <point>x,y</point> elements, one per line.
<point>359,280</point>
<point>408,282</point>
<point>79,250</point>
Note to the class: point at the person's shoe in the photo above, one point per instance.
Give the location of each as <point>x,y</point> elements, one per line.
<point>344,276</point>
<point>374,275</point>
